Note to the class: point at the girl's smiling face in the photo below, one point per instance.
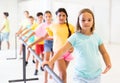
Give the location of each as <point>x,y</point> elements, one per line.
<point>31,20</point>
<point>48,17</point>
<point>61,17</point>
<point>86,21</point>
<point>40,18</point>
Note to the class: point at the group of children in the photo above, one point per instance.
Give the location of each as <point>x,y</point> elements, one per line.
<point>61,39</point>
<point>34,30</point>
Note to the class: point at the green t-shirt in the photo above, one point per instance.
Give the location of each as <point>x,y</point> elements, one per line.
<point>86,52</point>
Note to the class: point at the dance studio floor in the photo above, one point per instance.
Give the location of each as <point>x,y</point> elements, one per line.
<point>13,69</point>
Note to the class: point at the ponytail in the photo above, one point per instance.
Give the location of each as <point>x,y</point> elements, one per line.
<point>63,10</point>
<point>68,28</point>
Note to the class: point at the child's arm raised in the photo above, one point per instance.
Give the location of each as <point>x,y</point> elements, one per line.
<point>37,41</point>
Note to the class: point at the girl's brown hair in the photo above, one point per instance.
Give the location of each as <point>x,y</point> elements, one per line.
<point>31,17</point>
<point>48,12</point>
<point>64,10</point>
<point>6,14</point>
<point>78,27</point>
<point>26,11</point>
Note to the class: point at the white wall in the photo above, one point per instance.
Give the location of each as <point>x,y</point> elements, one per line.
<point>11,7</point>
<point>102,18</point>
<point>99,7</point>
<point>115,23</point>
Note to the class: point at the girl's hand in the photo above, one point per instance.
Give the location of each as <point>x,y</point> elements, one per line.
<point>29,46</point>
<point>46,63</point>
<point>16,34</point>
<point>20,37</point>
<point>108,67</point>
<point>71,50</point>
<point>26,40</point>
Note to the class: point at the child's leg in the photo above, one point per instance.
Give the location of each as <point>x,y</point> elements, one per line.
<point>8,45</point>
<point>36,67</point>
<point>20,52</point>
<point>48,44</point>
<point>46,58</point>
<point>7,41</point>
<point>37,64</point>
<point>28,55</point>
<point>52,66</point>
<point>33,59</point>
<point>39,51</point>
<point>62,68</point>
